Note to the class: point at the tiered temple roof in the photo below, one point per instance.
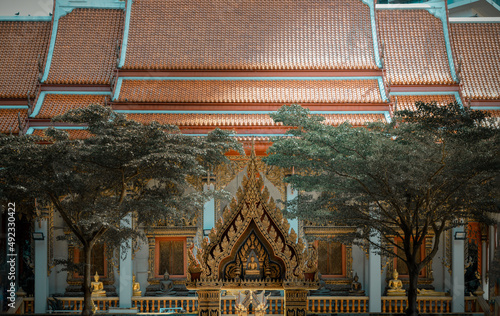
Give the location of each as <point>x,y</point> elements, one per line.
<point>212,63</point>
<point>242,91</point>
<point>257,35</point>
<point>9,120</point>
<point>237,120</point>
<point>23,45</point>
<point>57,104</point>
<point>407,102</point>
<point>86,47</point>
<point>414,47</point>
<point>477,48</point>
<point>72,133</point>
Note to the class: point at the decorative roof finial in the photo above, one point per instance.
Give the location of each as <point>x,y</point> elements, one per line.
<point>252,151</point>
<point>252,165</point>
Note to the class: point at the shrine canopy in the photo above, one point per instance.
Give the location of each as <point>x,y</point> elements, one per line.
<point>251,247</point>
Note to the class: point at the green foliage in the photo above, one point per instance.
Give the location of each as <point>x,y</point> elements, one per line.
<point>405,179</point>
<point>124,167</point>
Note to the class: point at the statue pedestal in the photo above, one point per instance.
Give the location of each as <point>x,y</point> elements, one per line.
<point>117,310</point>
<point>209,302</point>
<point>253,276</point>
<point>295,302</point>
<point>402,293</point>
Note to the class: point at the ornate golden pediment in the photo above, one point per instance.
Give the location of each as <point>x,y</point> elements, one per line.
<point>251,245</point>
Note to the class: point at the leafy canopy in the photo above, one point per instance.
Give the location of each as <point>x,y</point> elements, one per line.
<point>123,167</point>
<point>403,179</point>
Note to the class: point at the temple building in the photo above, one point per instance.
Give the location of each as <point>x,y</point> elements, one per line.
<point>202,64</point>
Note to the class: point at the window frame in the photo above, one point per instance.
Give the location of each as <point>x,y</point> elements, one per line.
<point>157,257</point>
<point>76,259</point>
<point>344,262</point>
<point>422,273</point>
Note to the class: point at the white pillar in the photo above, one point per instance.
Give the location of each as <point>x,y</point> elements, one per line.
<point>208,210</point>
<point>41,272</point>
<point>491,254</point>
<point>291,194</point>
<point>484,268</point>
<point>126,268</point>
<point>375,278</point>
<point>458,277</point>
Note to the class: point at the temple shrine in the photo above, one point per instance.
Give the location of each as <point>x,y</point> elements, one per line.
<point>202,64</point>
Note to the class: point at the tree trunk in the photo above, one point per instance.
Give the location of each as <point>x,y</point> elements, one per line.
<point>412,309</point>
<point>87,275</point>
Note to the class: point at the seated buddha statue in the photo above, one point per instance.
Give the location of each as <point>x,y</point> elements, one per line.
<point>323,289</point>
<point>252,267</point>
<point>166,285</point>
<point>136,287</point>
<point>395,286</point>
<point>356,287</point>
<point>97,287</point>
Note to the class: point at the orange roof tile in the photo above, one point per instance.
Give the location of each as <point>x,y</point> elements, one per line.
<point>494,119</point>
<point>235,120</point>
<point>252,138</point>
<point>478,47</point>
<point>57,104</point>
<point>21,44</point>
<point>494,113</point>
<point>86,47</point>
<point>73,133</point>
<point>9,121</point>
<point>414,47</point>
<point>235,91</point>
<point>257,34</point>
<point>407,102</point>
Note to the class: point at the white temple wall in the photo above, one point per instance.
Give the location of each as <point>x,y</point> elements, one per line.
<point>359,265</point>
<point>57,278</point>
<point>140,264</point>
<point>440,271</point>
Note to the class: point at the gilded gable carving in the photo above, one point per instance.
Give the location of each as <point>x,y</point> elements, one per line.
<point>251,244</point>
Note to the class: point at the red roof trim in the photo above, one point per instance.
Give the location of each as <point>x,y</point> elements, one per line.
<point>246,73</point>
<point>127,106</point>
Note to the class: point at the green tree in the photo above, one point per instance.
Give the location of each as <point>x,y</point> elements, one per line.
<point>407,179</point>
<point>122,168</point>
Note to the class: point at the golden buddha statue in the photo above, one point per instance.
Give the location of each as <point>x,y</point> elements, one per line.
<point>395,285</point>
<point>252,267</point>
<point>97,287</point>
<point>424,292</point>
<point>136,287</point>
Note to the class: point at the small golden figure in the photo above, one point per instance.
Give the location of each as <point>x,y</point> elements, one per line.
<point>395,285</point>
<point>136,287</point>
<point>252,267</point>
<point>424,292</point>
<point>97,287</point>
<point>241,310</point>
